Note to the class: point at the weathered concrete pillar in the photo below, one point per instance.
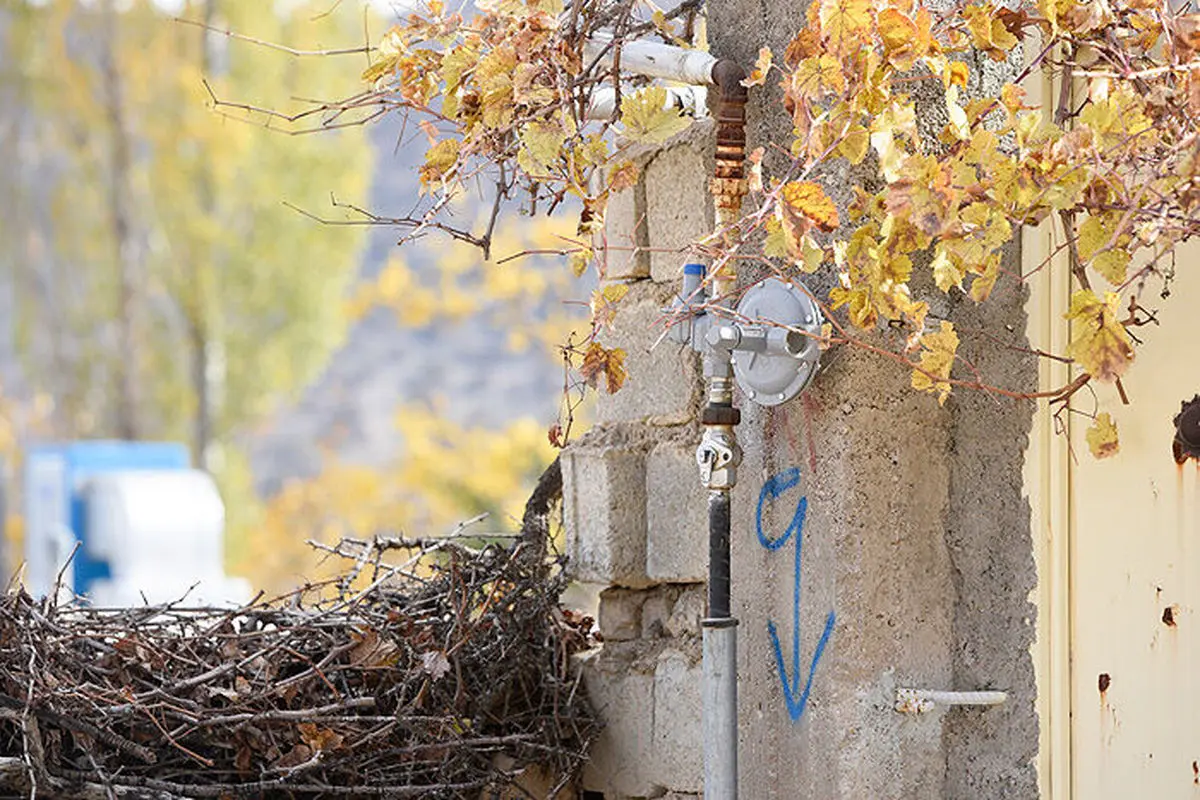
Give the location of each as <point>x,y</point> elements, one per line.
<point>879,541</point>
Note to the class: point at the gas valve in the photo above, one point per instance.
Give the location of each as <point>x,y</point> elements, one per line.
<point>770,339</point>
<point>718,458</point>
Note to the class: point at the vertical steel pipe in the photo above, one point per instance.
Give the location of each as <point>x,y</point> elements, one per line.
<point>720,709</point>
<point>718,555</point>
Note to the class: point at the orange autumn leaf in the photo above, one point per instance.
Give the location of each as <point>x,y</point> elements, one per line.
<point>601,362</point>
<point>808,199</point>
<point>761,67</point>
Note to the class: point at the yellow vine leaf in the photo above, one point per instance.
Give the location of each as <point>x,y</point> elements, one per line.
<point>599,362</point>
<point>1099,342</point>
<point>946,273</point>
<point>604,303</point>
<point>579,261</point>
<point>439,160</point>
<point>647,119</point>
<point>896,31</point>
<point>803,204</point>
<point>622,176</point>
<point>985,280</point>
<point>1049,9</point>
<point>988,32</point>
<point>811,255</point>
<point>494,74</point>
<point>1094,235</point>
<point>593,151</point>
<point>959,125</point>
<point>1013,97</point>
<point>540,147</point>
<point>775,245</point>
<point>391,47</point>
<point>845,23</point>
<point>817,77</point>
<point>957,74</point>
<point>457,62</point>
<point>855,143</point>
<point>1102,436</point>
<point>761,67</point>
<point>1119,120</point>
<point>381,68</point>
<point>937,357</point>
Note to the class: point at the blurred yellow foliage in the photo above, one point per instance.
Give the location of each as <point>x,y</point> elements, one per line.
<point>522,295</point>
<point>447,473</point>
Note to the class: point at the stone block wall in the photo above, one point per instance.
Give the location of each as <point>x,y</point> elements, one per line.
<point>878,540</point>
<point>635,511</point>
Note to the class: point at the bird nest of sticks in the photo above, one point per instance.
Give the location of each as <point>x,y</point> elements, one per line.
<point>445,672</point>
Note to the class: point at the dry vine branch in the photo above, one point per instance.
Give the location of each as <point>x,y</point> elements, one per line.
<point>441,686</point>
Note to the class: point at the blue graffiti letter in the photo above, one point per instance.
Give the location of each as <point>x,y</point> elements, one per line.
<point>792,694</point>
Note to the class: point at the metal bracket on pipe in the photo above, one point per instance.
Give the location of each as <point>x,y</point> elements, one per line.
<point>920,701</point>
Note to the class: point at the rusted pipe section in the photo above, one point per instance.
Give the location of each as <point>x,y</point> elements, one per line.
<point>729,177</point>
<point>719,456</point>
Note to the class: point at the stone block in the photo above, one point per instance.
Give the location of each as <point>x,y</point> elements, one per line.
<point>623,249</point>
<point>679,207</point>
<point>604,511</point>
<point>620,765</point>
<point>621,614</point>
<point>678,762</point>
<point>686,613</point>
<point>676,516</point>
<point>664,377</point>
<point>655,612</point>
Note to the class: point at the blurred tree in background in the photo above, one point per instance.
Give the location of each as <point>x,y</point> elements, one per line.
<point>446,472</point>
<point>164,285</point>
<point>183,294</point>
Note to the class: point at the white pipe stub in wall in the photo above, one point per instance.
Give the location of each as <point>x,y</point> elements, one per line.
<point>919,701</point>
<point>653,60</point>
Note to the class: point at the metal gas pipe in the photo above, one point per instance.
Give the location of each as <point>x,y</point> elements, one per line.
<point>719,456</point>
<point>772,359</point>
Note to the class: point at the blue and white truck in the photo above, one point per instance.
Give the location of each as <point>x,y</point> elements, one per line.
<point>124,524</point>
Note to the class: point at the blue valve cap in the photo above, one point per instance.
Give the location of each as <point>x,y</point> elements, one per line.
<point>693,269</point>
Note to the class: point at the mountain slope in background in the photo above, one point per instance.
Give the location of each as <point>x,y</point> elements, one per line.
<point>464,367</point>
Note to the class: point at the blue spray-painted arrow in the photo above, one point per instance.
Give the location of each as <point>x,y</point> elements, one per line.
<point>795,698</point>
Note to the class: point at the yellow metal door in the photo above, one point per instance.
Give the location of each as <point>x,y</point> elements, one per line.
<point>1134,574</point>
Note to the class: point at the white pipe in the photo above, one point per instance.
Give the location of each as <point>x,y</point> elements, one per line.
<point>654,60</point>
<point>690,100</point>
<point>918,701</point>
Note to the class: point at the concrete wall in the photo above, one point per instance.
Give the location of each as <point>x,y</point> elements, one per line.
<point>915,547</point>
